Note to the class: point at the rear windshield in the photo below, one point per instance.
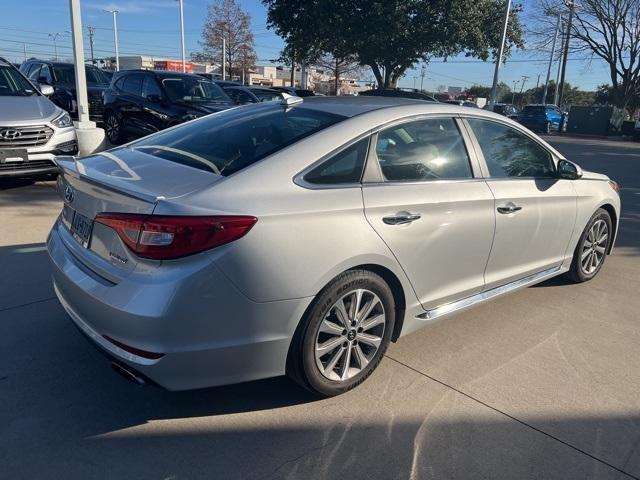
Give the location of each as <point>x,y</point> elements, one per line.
<point>534,109</point>
<point>229,141</point>
<point>66,74</point>
<point>267,95</point>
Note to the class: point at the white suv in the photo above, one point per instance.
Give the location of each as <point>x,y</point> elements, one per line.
<point>32,129</point>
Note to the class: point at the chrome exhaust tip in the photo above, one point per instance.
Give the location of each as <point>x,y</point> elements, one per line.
<point>128,374</point>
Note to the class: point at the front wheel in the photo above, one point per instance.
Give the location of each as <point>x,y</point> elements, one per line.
<point>344,334</point>
<point>592,248</point>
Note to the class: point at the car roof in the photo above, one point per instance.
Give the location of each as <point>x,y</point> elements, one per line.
<point>350,106</point>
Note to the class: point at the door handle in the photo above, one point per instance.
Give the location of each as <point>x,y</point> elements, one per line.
<point>401,218</point>
<point>509,208</point>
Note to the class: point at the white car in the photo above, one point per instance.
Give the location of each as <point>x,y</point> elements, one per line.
<point>32,129</point>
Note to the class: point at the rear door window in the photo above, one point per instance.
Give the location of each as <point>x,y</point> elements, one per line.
<point>133,84</point>
<point>430,149</point>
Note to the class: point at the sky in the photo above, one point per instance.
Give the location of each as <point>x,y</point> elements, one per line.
<point>152,27</point>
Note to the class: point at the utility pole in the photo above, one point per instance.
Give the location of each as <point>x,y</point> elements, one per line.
<point>553,52</point>
<point>92,31</point>
<point>555,94</point>
<point>114,13</point>
<point>224,58</point>
<point>423,72</point>
<point>494,87</point>
<point>524,79</point>
<point>55,37</point>
<point>303,74</point>
<point>571,6</point>
<point>513,92</point>
<point>24,49</point>
<point>538,82</point>
<point>184,65</point>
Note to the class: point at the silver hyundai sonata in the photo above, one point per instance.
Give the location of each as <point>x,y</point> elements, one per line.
<point>301,237</point>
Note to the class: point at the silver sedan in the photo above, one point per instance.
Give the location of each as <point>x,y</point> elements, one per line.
<point>303,236</point>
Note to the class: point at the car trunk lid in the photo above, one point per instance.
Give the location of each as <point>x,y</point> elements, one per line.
<point>118,181</point>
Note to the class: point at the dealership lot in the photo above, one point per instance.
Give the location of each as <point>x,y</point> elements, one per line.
<point>540,384</point>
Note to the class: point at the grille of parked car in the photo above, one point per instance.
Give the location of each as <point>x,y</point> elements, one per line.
<point>29,165</point>
<point>96,106</point>
<point>22,137</point>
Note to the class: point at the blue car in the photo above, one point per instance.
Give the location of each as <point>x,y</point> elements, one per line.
<point>541,118</point>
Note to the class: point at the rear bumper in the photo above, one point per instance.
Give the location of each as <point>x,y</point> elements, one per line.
<point>210,334</point>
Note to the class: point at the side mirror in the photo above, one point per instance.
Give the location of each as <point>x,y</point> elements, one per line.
<point>46,90</point>
<point>569,170</point>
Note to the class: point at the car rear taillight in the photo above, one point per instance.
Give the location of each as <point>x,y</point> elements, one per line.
<point>166,237</point>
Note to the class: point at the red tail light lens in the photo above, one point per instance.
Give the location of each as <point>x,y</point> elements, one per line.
<point>166,237</point>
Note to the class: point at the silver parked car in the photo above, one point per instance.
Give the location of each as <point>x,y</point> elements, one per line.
<point>303,236</point>
<point>32,129</point>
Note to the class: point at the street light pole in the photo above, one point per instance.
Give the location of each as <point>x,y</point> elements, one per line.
<point>78,60</point>
<point>494,87</point>
<point>55,36</point>
<point>114,13</point>
<point>553,52</point>
<point>184,66</point>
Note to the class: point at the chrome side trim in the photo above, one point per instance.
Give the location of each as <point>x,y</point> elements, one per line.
<point>489,294</point>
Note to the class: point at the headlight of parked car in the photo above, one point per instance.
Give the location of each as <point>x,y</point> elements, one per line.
<point>63,121</point>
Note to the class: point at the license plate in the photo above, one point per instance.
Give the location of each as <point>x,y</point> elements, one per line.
<point>81,227</point>
<point>13,155</point>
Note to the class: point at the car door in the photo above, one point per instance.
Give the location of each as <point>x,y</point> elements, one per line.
<point>535,209</point>
<point>554,116</point>
<point>130,103</point>
<point>422,195</point>
<point>154,113</point>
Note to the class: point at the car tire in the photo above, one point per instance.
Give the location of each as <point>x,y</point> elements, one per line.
<point>547,128</point>
<point>113,128</point>
<point>592,248</point>
<point>329,355</point>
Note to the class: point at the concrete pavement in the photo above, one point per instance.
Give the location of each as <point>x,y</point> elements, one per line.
<point>544,383</point>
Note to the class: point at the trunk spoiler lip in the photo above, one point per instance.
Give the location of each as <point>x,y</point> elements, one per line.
<point>68,165</point>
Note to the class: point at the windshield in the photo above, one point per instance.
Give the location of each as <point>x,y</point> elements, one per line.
<point>13,84</point>
<point>194,90</point>
<point>267,95</point>
<point>67,74</point>
<point>229,141</point>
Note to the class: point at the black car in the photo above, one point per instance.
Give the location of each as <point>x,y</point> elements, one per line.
<point>243,95</point>
<point>462,103</point>
<point>140,102</point>
<point>296,92</point>
<point>61,76</point>
<point>392,92</point>
<point>505,109</point>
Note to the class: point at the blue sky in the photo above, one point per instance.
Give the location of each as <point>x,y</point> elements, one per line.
<point>152,27</point>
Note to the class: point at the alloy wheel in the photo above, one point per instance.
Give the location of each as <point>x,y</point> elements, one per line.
<point>594,247</point>
<point>113,128</point>
<point>350,334</point>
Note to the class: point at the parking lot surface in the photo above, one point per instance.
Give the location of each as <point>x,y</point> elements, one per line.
<point>544,383</point>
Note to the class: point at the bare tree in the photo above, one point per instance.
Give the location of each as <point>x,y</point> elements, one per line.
<point>605,29</point>
<point>338,67</point>
<point>226,20</point>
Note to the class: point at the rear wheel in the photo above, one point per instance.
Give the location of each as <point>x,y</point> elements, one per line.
<point>547,128</point>
<point>344,334</point>
<point>592,248</point>
<point>113,128</point>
